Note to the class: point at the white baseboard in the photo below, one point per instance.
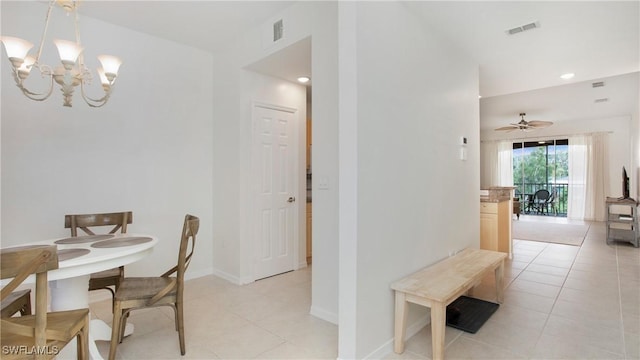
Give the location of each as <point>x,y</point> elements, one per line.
<point>324,314</point>
<point>230,278</point>
<point>189,275</point>
<point>387,348</point>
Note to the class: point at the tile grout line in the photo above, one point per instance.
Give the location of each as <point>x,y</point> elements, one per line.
<point>624,340</point>
<point>546,320</point>
<point>529,354</point>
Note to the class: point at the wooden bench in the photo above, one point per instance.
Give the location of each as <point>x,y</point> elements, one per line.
<point>438,285</point>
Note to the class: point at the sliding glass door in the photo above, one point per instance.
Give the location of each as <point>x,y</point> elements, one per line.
<point>540,175</point>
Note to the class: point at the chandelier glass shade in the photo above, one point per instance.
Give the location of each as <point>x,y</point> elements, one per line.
<point>72,71</point>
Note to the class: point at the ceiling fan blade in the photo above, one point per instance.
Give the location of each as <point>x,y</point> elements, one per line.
<point>506,128</point>
<point>525,126</point>
<point>540,123</point>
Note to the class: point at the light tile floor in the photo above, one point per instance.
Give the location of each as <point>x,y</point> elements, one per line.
<point>561,302</point>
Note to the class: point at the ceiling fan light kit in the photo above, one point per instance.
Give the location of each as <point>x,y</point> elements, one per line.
<point>524,125</point>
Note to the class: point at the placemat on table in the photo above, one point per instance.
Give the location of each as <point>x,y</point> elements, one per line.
<point>67,254</point>
<point>83,239</point>
<point>120,242</point>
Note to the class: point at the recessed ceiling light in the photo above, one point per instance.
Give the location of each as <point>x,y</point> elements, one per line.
<point>567,76</point>
<point>303,79</point>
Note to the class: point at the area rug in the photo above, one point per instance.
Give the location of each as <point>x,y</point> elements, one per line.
<point>569,234</point>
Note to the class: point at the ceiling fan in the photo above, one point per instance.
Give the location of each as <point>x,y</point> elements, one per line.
<point>524,125</point>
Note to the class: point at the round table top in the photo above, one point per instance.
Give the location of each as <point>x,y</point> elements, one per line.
<point>85,255</point>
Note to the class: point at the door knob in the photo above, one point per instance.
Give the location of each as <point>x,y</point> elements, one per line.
<point>291,199</point>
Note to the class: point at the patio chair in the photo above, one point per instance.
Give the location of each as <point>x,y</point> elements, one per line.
<point>551,203</point>
<point>540,199</point>
<point>516,207</point>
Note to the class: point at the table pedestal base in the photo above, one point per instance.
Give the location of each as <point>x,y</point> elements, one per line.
<point>73,293</point>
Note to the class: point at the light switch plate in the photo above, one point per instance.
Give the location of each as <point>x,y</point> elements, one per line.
<point>323,183</point>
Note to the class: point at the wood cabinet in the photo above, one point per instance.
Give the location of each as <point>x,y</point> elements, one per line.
<point>495,226</point>
<point>622,220</point>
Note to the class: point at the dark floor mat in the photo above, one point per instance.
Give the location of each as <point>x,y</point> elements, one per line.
<point>469,314</point>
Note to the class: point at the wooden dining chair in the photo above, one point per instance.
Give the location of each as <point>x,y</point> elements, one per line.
<point>16,302</point>
<point>102,280</point>
<point>166,290</point>
<point>42,334</point>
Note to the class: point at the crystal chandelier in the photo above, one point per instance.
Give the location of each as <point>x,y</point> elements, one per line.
<point>70,74</point>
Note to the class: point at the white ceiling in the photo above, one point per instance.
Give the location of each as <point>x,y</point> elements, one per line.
<point>208,25</point>
<point>593,39</point>
<point>596,40</point>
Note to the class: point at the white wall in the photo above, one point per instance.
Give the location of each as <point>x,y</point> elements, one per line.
<point>416,97</point>
<point>235,89</point>
<point>620,139</point>
<point>148,150</point>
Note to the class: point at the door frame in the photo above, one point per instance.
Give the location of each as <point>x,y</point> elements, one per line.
<point>254,185</point>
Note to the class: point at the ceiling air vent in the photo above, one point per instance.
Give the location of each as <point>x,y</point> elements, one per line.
<point>519,29</point>
<point>278,30</point>
<point>601,100</point>
<point>597,84</point>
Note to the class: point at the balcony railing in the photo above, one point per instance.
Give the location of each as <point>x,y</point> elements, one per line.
<point>557,207</point>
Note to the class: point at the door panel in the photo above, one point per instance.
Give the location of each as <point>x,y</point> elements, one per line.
<point>275,175</point>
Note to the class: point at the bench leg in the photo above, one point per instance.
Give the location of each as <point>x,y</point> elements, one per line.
<point>400,322</point>
<point>438,323</point>
<point>500,282</point>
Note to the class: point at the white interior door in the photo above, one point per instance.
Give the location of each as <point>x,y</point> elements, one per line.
<point>274,159</point>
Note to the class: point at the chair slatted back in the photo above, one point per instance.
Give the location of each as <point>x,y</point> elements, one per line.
<point>187,243</point>
<point>84,222</point>
<point>19,263</point>
<point>189,232</point>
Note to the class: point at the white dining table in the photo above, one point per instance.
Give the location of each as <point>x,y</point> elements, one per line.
<point>78,257</point>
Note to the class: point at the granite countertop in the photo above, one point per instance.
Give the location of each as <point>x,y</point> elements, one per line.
<point>486,199</point>
<point>496,194</point>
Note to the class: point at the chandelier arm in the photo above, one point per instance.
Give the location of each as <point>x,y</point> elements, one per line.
<point>95,102</point>
<point>46,72</point>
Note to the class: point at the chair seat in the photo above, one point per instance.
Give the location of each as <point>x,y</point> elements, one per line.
<point>105,278</point>
<point>143,288</point>
<point>16,301</point>
<point>143,292</point>
<point>60,325</point>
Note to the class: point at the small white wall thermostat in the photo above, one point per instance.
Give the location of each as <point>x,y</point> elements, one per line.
<point>463,148</point>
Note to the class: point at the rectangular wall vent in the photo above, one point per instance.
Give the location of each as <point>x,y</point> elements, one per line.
<point>601,100</point>
<point>526,27</point>
<point>278,30</point>
<point>597,84</point>
<point>514,30</point>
